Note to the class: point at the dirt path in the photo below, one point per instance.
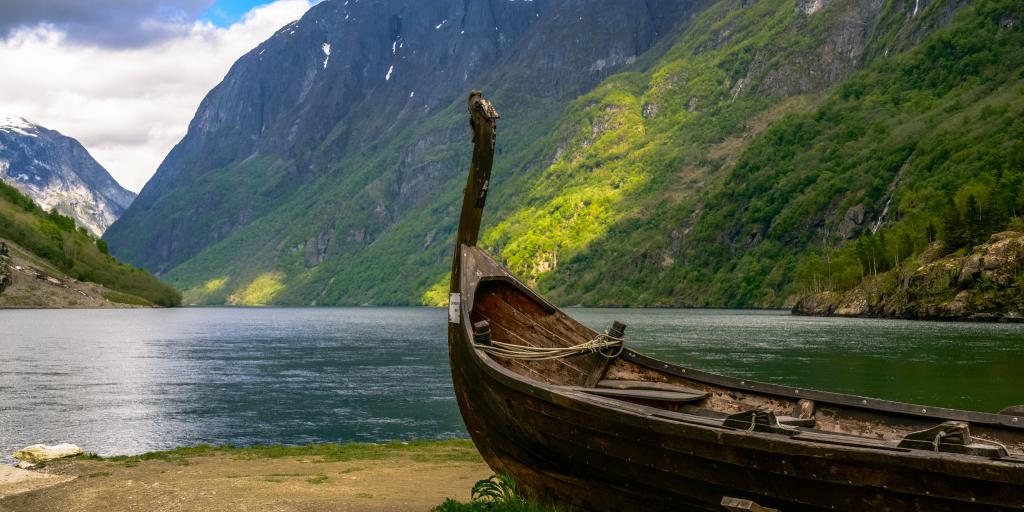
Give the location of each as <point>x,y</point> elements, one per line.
<point>228,482</point>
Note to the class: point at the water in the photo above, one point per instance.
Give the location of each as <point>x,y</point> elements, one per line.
<point>130,381</point>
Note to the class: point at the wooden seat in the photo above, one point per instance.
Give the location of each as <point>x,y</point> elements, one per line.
<point>794,421</point>
<point>657,391</point>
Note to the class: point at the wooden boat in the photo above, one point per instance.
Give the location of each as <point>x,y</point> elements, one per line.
<point>611,429</point>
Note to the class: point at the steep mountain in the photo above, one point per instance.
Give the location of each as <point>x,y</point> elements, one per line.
<point>46,261</point>
<point>323,138</point>
<point>58,173</point>
<point>729,153</point>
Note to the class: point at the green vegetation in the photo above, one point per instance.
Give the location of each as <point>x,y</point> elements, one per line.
<point>498,493</point>
<point>452,450</point>
<point>317,479</point>
<point>749,163</point>
<point>54,238</point>
<point>893,142</point>
<point>126,298</point>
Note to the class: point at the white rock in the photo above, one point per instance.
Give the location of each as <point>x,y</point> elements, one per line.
<point>42,452</point>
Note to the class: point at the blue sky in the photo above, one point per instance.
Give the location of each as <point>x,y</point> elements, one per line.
<point>225,12</point>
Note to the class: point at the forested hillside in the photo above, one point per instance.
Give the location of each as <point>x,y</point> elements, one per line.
<point>720,179</point>
<point>744,155</point>
<point>74,252</point>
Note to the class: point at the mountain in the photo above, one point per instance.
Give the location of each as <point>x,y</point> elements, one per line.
<point>46,261</point>
<point>719,153</point>
<point>323,138</point>
<point>58,173</point>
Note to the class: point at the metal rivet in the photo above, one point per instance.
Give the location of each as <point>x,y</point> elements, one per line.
<point>924,410</point>
<point>863,401</point>
<point>797,391</point>
<point>1015,419</point>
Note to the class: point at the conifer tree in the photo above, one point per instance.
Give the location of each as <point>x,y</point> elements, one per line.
<point>972,221</point>
<point>952,226</point>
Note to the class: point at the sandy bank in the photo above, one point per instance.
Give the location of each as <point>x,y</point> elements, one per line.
<point>393,477</point>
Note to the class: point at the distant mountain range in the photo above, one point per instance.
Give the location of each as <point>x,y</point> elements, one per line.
<point>58,173</point>
<point>707,153</point>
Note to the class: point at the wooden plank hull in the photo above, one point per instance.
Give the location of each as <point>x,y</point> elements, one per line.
<point>602,454</point>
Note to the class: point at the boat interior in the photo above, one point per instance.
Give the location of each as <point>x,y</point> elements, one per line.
<point>504,310</point>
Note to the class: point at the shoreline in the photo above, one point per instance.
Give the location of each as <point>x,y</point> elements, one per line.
<point>413,475</point>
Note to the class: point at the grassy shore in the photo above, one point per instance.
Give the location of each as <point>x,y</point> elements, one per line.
<point>451,450</point>
<point>447,476</point>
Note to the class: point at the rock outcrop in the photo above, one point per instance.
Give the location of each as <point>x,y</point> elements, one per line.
<point>986,284</point>
<point>43,452</point>
<point>5,267</point>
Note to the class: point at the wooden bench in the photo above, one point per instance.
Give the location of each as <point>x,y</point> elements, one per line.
<point>641,390</point>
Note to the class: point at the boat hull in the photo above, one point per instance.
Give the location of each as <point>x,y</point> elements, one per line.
<point>594,453</point>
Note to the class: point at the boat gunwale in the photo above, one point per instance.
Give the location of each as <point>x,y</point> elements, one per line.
<point>475,276</point>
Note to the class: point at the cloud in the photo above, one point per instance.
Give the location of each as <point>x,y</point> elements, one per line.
<point>103,22</point>
<point>127,105</point>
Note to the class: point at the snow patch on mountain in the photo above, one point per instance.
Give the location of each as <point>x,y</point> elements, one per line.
<point>19,125</point>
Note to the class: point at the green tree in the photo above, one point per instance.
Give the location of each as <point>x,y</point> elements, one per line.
<point>972,222</point>
<point>952,226</point>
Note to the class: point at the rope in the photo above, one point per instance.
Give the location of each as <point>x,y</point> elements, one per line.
<point>603,344</point>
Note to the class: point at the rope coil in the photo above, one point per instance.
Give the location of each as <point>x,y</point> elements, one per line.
<point>604,344</point>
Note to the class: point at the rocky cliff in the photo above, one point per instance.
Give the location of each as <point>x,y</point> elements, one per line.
<point>58,173</point>
<point>985,283</point>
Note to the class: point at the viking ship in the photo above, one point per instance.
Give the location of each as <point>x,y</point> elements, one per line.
<point>579,419</point>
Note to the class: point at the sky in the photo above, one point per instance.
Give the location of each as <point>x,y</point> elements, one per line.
<point>125,77</point>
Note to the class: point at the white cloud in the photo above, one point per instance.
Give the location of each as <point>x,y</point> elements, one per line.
<point>127,106</point>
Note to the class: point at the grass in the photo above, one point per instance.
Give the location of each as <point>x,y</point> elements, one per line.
<point>452,450</point>
<point>499,493</point>
<point>317,480</point>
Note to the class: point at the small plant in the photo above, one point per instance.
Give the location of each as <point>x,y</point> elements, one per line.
<point>317,480</point>
<point>498,493</point>
<point>500,489</point>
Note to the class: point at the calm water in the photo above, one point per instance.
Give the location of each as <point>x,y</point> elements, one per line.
<point>128,381</point>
